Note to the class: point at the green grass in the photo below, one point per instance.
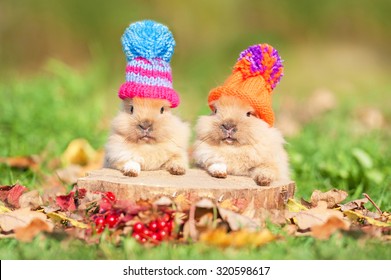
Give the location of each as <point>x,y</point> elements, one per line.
<point>301,248</point>
<point>44,113</point>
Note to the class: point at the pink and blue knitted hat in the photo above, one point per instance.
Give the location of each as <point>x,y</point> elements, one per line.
<point>148,47</point>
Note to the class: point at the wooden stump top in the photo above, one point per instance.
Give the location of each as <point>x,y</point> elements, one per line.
<point>194,185</point>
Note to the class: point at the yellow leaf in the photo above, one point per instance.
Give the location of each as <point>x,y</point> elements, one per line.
<point>4,209</point>
<point>61,218</point>
<point>355,216</point>
<point>294,206</point>
<point>238,239</point>
<point>78,152</point>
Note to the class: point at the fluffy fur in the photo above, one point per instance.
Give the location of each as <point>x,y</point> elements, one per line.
<point>146,136</point>
<point>233,141</point>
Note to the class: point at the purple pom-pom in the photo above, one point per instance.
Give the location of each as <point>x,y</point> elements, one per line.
<point>261,60</point>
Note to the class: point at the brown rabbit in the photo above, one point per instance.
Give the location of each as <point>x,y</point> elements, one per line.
<point>234,141</point>
<point>146,136</point>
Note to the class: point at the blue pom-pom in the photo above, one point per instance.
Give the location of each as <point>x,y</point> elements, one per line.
<point>148,39</point>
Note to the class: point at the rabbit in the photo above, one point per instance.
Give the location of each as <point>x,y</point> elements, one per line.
<point>233,140</point>
<point>145,135</point>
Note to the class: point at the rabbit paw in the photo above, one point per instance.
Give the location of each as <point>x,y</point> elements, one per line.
<point>176,168</point>
<point>218,170</point>
<point>131,169</point>
<point>263,177</point>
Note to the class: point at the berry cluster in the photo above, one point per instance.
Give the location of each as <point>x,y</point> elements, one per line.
<point>108,217</point>
<point>156,231</point>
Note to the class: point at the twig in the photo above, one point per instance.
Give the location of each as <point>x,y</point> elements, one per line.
<point>374,204</point>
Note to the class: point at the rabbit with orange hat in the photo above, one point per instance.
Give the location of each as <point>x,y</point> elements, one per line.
<point>145,135</point>
<point>238,138</point>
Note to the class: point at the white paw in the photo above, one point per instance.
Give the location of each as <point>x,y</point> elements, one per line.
<point>132,168</point>
<point>218,170</point>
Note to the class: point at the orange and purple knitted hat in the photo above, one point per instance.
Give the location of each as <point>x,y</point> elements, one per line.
<point>148,47</point>
<point>255,75</point>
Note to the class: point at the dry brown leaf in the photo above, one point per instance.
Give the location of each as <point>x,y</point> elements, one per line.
<point>332,197</point>
<point>31,199</point>
<point>329,227</point>
<point>19,218</point>
<point>23,162</point>
<point>27,233</point>
<point>314,216</point>
<point>237,221</point>
<point>354,204</point>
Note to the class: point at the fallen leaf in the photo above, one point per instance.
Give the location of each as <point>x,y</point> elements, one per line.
<point>329,227</point>
<point>362,219</point>
<point>23,162</point>
<point>66,202</point>
<point>31,199</point>
<point>19,218</point>
<point>4,190</point>
<point>70,173</point>
<point>61,218</point>
<point>163,201</point>
<point>237,221</point>
<point>14,195</point>
<point>27,233</point>
<point>4,209</point>
<point>78,152</point>
<point>354,204</point>
<point>332,197</point>
<point>220,237</point>
<point>294,206</point>
<point>315,216</point>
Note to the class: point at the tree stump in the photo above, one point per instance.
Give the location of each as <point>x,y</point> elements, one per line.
<point>240,192</point>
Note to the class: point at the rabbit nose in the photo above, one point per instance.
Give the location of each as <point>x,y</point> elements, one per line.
<point>145,125</point>
<point>229,127</point>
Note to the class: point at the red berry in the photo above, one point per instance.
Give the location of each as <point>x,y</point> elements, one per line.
<point>110,196</point>
<point>112,220</point>
<point>161,224</point>
<point>143,240</point>
<point>147,232</point>
<point>100,229</point>
<point>136,236</point>
<point>170,225</point>
<point>163,234</point>
<point>156,236</point>
<point>153,226</point>
<point>100,221</point>
<point>138,227</point>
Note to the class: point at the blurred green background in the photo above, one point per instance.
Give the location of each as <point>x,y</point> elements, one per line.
<point>333,44</point>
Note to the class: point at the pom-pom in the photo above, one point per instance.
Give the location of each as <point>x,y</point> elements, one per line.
<point>148,39</point>
<point>261,60</point>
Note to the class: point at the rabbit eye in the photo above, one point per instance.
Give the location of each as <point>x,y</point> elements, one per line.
<point>131,109</point>
<point>215,111</point>
<point>161,110</point>
<point>249,114</point>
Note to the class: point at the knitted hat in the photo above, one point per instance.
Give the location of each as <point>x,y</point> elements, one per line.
<point>148,47</point>
<point>255,74</point>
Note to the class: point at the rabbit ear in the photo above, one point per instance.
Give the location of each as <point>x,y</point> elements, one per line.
<point>261,60</point>
<point>148,39</point>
